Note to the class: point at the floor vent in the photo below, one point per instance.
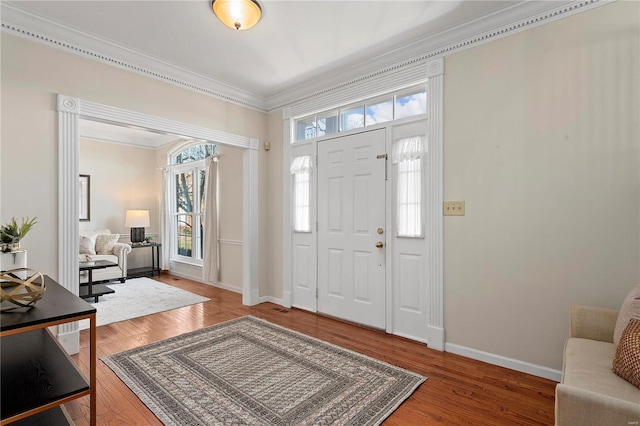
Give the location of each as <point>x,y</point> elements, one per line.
<point>281,310</point>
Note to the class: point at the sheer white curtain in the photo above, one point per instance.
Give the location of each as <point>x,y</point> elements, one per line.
<point>301,171</point>
<point>166,218</point>
<point>211,254</point>
<point>407,155</point>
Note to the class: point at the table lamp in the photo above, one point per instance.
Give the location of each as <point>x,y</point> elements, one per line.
<point>137,220</point>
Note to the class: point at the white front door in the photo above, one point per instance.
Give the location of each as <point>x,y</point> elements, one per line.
<point>351,215</point>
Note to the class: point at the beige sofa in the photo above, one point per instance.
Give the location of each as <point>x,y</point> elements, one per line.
<point>117,253</point>
<point>590,392</point>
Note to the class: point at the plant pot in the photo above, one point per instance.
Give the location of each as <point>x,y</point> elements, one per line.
<point>10,247</point>
<point>13,260</point>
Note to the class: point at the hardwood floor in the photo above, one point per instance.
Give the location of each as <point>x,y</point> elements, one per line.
<point>458,391</point>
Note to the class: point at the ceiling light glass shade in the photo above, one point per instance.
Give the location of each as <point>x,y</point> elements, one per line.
<point>237,14</point>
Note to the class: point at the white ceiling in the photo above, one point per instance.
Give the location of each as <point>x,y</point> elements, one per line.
<point>295,42</point>
<point>142,138</point>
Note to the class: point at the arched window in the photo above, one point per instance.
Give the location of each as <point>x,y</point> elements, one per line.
<point>188,177</point>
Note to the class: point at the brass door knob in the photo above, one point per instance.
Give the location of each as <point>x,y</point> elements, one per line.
<point>379,244</point>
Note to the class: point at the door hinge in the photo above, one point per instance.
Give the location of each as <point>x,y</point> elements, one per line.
<point>316,292</point>
<point>316,160</point>
<point>317,226</point>
<point>386,162</point>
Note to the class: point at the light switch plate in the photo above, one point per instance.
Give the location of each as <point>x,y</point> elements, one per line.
<point>454,208</point>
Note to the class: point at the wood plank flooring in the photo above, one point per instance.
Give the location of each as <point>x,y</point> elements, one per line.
<point>459,390</point>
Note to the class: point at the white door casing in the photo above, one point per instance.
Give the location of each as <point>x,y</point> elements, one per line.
<point>415,294</point>
<point>70,110</point>
<point>351,209</point>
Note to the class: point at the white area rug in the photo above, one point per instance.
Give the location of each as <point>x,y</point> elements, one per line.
<point>138,297</point>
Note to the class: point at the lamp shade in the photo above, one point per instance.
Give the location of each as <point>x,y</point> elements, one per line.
<point>237,14</point>
<point>137,219</point>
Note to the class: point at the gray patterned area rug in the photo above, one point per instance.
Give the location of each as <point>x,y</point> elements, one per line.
<point>248,371</point>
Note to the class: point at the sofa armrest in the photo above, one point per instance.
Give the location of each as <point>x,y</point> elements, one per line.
<point>577,406</point>
<point>121,250</point>
<point>593,323</point>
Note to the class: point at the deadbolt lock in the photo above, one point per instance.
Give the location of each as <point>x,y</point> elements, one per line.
<point>380,231</point>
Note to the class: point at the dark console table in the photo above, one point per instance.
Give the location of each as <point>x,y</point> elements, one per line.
<point>37,375</point>
<point>148,271</point>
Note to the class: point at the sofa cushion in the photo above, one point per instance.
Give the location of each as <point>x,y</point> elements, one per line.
<point>626,362</point>
<point>87,244</point>
<point>630,309</point>
<point>587,365</point>
<point>105,243</point>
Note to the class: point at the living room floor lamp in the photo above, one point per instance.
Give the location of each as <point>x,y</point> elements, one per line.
<point>137,220</point>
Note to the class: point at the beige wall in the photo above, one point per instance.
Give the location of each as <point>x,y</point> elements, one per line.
<point>122,178</point>
<point>541,140</point>
<point>32,75</point>
<point>274,205</point>
<point>230,219</point>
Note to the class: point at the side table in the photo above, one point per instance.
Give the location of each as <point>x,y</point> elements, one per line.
<point>147,271</point>
<point>91,289</point>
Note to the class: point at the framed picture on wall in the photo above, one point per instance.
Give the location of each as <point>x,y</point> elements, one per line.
<point>84,197</point>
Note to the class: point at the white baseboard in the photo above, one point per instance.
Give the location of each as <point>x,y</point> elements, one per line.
<point>272,300</point>
<point>230,287</point>
<point>501,361</point>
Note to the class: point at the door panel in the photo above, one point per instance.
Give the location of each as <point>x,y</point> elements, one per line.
<point>351,207</point>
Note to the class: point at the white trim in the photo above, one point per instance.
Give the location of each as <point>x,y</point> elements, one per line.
<point>230,242</point>
<point>433,72</point>
<point>287,243</point>
<point>69,111</point>
<point>53,34</point>
<point>272,299</point>
<point>68,215</point>
<point>519,17</point>
<point>230,287</point>
<point>502,361</point>
<point>433,166</point>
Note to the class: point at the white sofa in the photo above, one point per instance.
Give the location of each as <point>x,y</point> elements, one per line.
<point>590,392</point>
<point>102,245</point>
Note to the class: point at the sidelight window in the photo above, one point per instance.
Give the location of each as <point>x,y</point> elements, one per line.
<point>301,171</point>
<point>408,155</point>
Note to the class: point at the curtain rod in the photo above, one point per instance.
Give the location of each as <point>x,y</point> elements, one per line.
<point>215,158</point>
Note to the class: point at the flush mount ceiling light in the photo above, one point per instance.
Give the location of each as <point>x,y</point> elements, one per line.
<point>238,14</point>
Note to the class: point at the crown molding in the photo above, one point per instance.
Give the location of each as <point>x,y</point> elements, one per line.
<point>506,22</point>
<point>23,24</point>
<point>390,64</point>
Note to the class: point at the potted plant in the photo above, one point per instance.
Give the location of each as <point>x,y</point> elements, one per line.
<point>11,233</point>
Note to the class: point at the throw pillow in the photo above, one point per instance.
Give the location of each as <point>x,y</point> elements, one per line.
<point>626,363</point>
<point>87,244</point>
<point>105,243</point>
<point>630,309</point>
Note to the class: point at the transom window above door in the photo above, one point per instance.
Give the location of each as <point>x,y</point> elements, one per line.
<point>380,109</point>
